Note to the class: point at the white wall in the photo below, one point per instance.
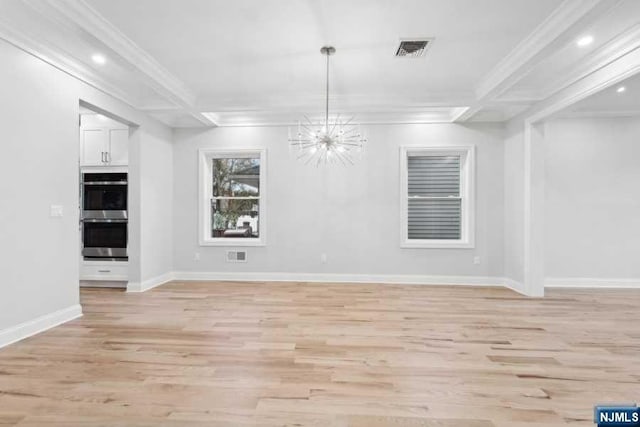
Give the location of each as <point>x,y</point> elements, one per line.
<point>38,168</point>
<point>157,205</point>
<point>592,200</point>
<point>349,213</point>
<point>514,204</point>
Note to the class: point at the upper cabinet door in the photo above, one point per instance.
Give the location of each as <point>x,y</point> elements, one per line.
<point>118,147</point>
<point>93,147</point>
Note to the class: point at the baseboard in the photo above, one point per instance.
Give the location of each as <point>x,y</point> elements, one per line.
<point>150,283</point>
<point>404,279</point>
<point>514,285</point>
<point>583,282</point>
<point>39,324</point>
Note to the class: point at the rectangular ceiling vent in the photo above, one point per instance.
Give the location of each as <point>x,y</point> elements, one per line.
<point>236,256</point>
<point>413,48</point>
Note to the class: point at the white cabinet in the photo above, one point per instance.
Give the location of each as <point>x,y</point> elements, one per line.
<point>104,146</point>
<point>92,146</point>
<point>118,154</point>
<point>104,270</point>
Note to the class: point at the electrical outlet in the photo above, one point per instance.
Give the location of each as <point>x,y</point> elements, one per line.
<point>196,256</point>
<point>323,258</point>
<point>476,260</point>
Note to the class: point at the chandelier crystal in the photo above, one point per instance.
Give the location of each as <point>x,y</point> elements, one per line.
<point>330,141</point>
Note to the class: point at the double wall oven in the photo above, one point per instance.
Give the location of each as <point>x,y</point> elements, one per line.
<point>104,216</point>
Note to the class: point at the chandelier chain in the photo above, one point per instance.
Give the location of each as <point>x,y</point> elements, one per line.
<point>326,110</point>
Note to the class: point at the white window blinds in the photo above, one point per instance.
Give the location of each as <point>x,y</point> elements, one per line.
<point>434,197</point>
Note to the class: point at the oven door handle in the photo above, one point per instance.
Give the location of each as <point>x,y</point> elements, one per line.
<point>105,183</point>
<point>107,220</point>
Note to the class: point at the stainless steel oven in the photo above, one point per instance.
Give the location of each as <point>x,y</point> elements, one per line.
<point>104,239</point>
<point>104,215</point>
<point>104,195</point>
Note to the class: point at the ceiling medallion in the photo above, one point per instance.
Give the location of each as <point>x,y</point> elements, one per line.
<point>334,141</point>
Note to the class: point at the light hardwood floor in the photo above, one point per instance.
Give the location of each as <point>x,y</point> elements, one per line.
<point>294,354</point>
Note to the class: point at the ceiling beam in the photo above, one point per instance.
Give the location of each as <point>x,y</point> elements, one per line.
<point>615,72</point>
<point>65,63</point>
<point>79,14</point>
<point>558,29</point>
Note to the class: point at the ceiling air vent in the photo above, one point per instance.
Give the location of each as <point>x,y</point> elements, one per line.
<point>413,48</point>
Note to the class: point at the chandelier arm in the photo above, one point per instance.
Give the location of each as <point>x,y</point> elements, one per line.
<point>303,155</point>
<point>308,160</point>
<point>308,120</point>
<point>352,138</point>
<point>348,122</point>
<point>343,157</point>
<point>350,144</point>
<point>351,132</point>
<point>308,129</point>
<point>335,124</point>
<point>322,156</point>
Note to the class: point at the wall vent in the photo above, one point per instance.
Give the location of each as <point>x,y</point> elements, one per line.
<point>236,256</point>
<point>413,48</point>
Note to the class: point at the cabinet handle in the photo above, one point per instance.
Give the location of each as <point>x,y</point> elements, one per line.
<point>104,271</point>
<point>102,156</point>
<point>107,155</point>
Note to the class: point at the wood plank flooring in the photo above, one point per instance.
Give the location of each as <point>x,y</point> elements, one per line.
<point>296,354</point>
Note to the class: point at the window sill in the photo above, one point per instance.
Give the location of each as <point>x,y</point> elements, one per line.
<point>231,242</point>
<point>436,244</point>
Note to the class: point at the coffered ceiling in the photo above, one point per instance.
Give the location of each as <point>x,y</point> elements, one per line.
<point>619,100</point>
<point>257,62</point>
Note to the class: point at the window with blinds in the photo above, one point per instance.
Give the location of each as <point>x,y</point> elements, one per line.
<point>435,202</point>
<point>437,197</point>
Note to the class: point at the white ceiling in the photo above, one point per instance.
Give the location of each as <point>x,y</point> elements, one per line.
<point>257,62</point>
<point>251,53</point>
<point>610,102</point>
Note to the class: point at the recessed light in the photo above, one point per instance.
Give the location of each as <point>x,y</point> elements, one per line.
<point>98,59</point>
<point>621,89</point>
<point>584,41</point>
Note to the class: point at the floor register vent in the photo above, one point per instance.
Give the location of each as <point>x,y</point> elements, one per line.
<point>236,256</point>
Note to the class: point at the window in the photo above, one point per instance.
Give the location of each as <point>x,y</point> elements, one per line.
<point>437,200</point>
<point>232,202</point>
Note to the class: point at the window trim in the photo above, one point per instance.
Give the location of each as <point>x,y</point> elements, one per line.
<point>205,155</point>
<point>467,193</point>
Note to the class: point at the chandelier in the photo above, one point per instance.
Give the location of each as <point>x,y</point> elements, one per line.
<point>330,141</point>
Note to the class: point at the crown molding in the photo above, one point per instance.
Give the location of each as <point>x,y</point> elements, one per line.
<point>360,102</point>
<point>615,72</point>
<point>547,36</point>
<point>596,114</point>
<point>89,20</point>
<point>62,61</point>
<point>78,14</point>
<point>289,118</point>
<point>553,32</point>
<point>625,42</point>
